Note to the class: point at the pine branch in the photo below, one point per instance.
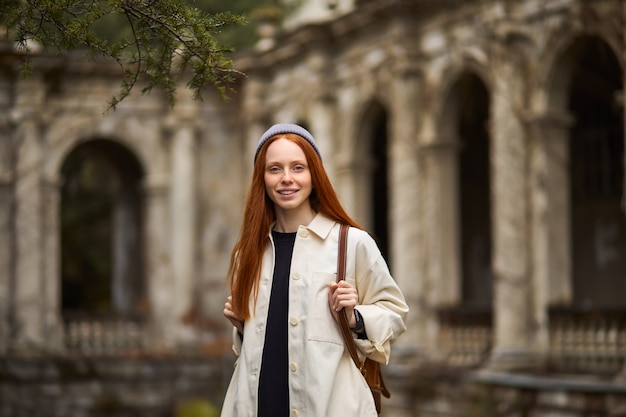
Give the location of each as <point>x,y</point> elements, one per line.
<point>169,40</point>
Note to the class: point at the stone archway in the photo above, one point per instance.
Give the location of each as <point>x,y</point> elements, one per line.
<point>468,107</point>
<point>101,229</point>
<point>103,287</point>
<point>459,213</point>
<point>578,175</point>
<point>372,151</point>
<point>596,175</point>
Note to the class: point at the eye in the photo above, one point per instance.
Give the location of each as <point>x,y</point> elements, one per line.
<point>273,169</point>
<point>298,168</point>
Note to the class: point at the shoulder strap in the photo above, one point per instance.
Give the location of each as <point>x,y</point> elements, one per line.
<point>343,317</point>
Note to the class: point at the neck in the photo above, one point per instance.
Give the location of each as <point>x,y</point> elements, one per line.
<point>288,222</point>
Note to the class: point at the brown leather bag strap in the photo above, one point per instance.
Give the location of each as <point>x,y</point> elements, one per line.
<point>343,317</point>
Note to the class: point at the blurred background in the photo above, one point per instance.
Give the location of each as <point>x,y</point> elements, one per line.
<point>480,141</point>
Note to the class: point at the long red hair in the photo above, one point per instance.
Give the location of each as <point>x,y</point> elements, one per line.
<point>247,255</point>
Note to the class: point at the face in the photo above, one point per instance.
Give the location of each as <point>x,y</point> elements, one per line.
<point>287,176</point>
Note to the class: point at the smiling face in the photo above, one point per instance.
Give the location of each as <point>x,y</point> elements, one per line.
<point>288,178</point>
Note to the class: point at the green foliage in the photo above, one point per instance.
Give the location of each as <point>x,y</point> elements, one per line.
<point>197,408</point>
<point>156,44</point>
<point>239,37</point>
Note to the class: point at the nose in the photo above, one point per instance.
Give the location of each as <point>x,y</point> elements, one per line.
<point>286,177</point>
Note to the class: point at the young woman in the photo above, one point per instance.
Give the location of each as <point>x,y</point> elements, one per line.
<point>285,298</point>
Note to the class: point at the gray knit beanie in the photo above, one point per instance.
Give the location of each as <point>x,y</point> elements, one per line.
<point>286,128</point>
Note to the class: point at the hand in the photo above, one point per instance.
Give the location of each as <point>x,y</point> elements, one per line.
<point>342,295</point>
<point>232,316</point>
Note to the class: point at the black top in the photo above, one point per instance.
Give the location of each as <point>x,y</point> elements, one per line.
<point>274,376</point>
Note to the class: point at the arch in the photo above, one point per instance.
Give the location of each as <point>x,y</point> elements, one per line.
<point>371,153</point>
<point>472,62</point>
<point>590,88</point>
<point>464,165</point>
<point>67,133</point>
<point>558,57</point>
<point>101,230</point>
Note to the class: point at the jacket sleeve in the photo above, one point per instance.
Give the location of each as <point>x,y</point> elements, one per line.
<point>237,342</point>
<point>381,302</point>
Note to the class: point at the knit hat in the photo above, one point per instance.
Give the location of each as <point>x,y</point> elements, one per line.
<point>286,128</point>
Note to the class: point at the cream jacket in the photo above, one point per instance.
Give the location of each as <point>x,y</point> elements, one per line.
<point>323,379</point>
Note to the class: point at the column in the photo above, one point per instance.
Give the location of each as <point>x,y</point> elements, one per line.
<point>28,232</point>
<point>550,219</point>
<point>513,296</point>
<point>27,311</point>
<point>158,262</point>
<point>406,206</point>
<point>51,266</point>
<point>440,219</point>
<point>323,118</point>
<point>352,163</point>
<point>183,225</point>
<point>442,209</point>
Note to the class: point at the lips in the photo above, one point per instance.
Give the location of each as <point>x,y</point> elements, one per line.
<point>287,192</point>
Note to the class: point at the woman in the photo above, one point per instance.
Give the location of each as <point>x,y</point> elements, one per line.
<point>285,298</point>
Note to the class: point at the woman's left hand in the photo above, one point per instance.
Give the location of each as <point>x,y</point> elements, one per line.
<point>342,295</point>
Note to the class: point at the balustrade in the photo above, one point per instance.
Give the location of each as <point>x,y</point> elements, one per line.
<point>589,342</point>
<point>101,335</point>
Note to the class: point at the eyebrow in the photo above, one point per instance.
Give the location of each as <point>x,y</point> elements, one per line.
<point>296,162</point>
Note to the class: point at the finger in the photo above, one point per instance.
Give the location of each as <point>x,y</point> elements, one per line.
<point>347,301</point>
<point>344,284</point>
<point>229,314</point>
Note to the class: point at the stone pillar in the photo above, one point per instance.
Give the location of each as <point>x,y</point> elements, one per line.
<point>183,225</point>
<point>27,314</point>
<point>406,186</point>
<point>158,262</point>
<point>323,114</point>
<point>442,210</point>
<point>513,299</point>
<point>439,216</point>
<point>550,220</point>
<point>352,169</point>
<point>259,119</point>
<point>28,232</point>
<point>51,265</point>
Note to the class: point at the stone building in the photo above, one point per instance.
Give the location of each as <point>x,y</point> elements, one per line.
<point>481,142</point>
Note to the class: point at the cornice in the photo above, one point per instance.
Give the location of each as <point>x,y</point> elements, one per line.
<point>331,34</point>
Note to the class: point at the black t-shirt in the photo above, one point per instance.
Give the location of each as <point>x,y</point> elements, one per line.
<point>274,376</point>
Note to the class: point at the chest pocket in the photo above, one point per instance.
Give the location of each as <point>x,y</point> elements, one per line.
<point>322,326</point>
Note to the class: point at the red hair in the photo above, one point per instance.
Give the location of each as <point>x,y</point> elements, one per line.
<point>247,255</point>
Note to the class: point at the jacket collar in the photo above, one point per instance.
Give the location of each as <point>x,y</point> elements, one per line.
<point>321,225</point>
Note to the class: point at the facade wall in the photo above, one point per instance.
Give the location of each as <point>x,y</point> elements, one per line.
<point>385,71</point>
<point>418,52</point>
<point>406,57</point>
<point>185,207</point>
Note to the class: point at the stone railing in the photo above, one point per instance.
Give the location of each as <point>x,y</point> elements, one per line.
<point>465,336</point>
<point>588,341</point>
<point>103,335</point>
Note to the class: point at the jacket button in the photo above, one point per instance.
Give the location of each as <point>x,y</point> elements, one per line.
<point>304,233</point>
<point>293,367</point>
<point>294,413</point>
<point>293,321</point>
<point>295,275</point>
